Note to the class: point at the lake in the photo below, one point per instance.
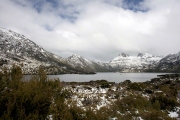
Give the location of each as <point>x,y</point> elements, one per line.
<point>110,76</point>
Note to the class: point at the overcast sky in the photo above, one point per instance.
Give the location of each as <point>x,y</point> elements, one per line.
<point>96,29</point>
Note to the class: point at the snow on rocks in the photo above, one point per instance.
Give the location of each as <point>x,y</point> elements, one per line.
<point>84,95</point>
<point>175,114</point>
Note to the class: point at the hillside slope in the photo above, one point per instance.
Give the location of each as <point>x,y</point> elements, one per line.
<point>17,49</point>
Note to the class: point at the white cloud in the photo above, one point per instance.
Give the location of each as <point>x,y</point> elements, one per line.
<point>97,30</point>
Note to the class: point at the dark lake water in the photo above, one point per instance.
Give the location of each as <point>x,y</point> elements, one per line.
<point>110,76</point>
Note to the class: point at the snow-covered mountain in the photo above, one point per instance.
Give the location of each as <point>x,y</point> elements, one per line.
<point>17,49</point>
<point>78,61</point>
<point>123,63</point>
<point>170,63</point>
<point>141,62</point>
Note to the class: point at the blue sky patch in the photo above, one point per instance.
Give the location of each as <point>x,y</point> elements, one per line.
<point>68,17</point>
<point>134,5</point>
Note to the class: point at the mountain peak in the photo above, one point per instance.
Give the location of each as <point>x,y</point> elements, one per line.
<point>124,55</point>
<point>5,33</point>
<point>144,55</point>
<point>75,56</point>
<point>143,61</point>
<point>140,54</point>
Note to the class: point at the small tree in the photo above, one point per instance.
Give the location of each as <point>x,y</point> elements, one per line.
<point>42,76</point>
<point>16,73</point>
<point>16,76</point>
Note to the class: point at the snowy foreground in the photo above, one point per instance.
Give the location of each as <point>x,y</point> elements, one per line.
<point>96,96</point>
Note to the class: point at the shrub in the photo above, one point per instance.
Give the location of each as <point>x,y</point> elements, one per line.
<point>149,91</point>
<point>131,103</point>
<point>135,86</point>
<point>166,103</point>
<point>31,99</point>
<point>156,115</point>
<point>105,85</point>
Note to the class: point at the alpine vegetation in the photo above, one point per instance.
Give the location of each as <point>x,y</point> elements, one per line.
<point>43,98</point>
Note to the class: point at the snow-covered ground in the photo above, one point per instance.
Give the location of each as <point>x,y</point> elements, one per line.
<point>85,95</point>
<point>94,97</point>
<point>174,114</point>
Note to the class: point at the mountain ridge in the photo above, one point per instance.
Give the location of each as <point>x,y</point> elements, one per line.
<point>170,63</point>
<point>139,63</point>
<point>18,49</point>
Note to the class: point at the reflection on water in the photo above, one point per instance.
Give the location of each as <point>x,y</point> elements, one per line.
<point>110,76</point>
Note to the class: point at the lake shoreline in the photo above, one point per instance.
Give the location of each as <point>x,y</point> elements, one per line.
<point>109,76</point>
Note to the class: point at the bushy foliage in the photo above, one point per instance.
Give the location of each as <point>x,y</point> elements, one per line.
<point>156,115</point>
<point>103,83</point>
<point>37,98</point>
<point>165,103</point>
<point>133,106</point>
<point>20,99</point>
<point>132,102</point>
<point>136,86</point>
<point>170,91</point>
